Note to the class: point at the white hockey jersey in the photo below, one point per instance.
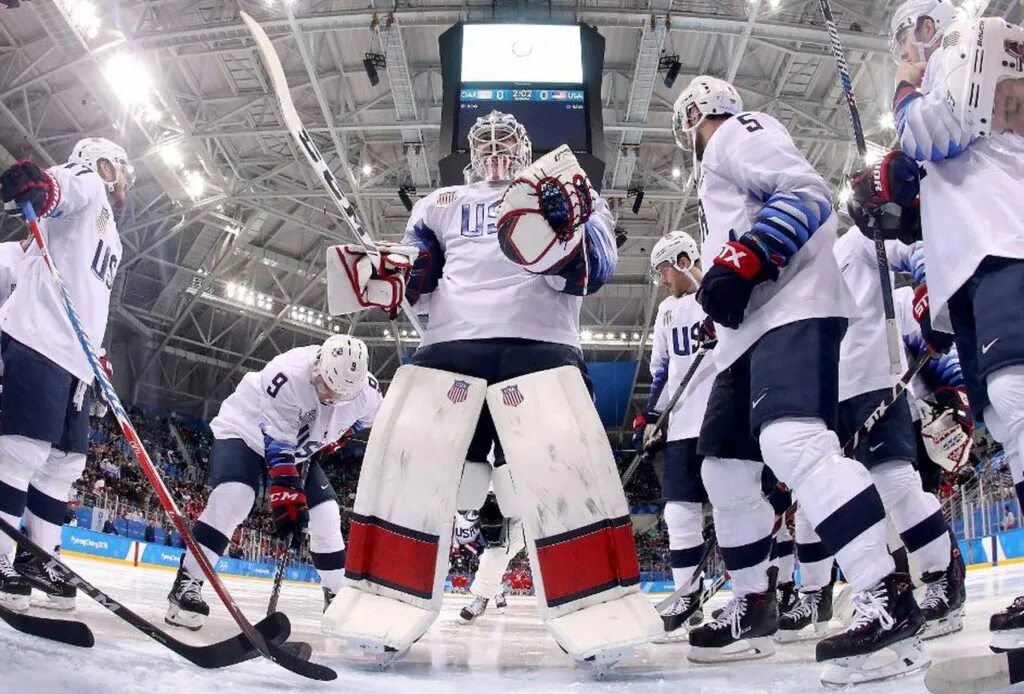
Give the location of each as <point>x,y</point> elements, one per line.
<point>676,343</point>
<point>481,293</point>
<point>971,196</point>
<point>864,353</point>
<point>750,158</point>
<point>465,531</point>
<point>83,241</point>
<point>12,254</point>
<point>281,402</point>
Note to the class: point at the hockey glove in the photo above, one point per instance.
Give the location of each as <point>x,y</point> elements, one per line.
<point>646,436</point>
<point>99,406</point>
<point>707,334</point>
<point>882,196</point>
<point>939,341</point>
<point>288,502</point>
<point>954,399</point>
<point>726,288</point>
<point>24,183</point>
<point>353,283</point>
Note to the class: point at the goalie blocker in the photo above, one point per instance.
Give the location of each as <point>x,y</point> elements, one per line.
<point>585,565</point>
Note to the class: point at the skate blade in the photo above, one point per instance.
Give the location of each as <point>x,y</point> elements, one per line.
<point>382,656</point>
<point>601,662</point>
<point>968,675</point>
<point>464,622</point>
<point>177,617</point>
<point>16,603</point>
<point>744,649</point>
<point>899,659</point>
<point>811,632</point>
<point>51,602</point>
<point>1007,640</point>
<point>950,624</point>
<point>680,635</point>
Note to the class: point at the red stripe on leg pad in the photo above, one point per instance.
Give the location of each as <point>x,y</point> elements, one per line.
<point>391,556</point>
<point>588,560</point>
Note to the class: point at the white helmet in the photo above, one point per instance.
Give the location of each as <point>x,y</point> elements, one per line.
<point>704,96</point>
<point>91,150</point>
<point>908,16</point>
<point>498,147</point>
<point>343,363</point>
<point>668,249</point>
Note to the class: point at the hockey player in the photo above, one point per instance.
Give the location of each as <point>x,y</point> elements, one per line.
<point>773,286</point>
<point>274,422</point>
<point>506,261</point>
<point>494,560</point>
<point>677,339</point>
<point>44,406</point>
<point>971,217</point>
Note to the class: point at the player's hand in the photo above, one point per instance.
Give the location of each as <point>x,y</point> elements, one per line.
<point>939,341</point>
<point>25,182</point>
<point>288,502</point>
<point>707,334</point>
<point>354,284</point>
<point>954,399</point>
<point>646,435</point>
<point>911,72</point>
<point>726,288</point>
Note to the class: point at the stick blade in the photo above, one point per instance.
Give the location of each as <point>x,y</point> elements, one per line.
<point>969,674</point>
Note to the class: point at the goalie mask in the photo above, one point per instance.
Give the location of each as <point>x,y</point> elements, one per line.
<point>907,21</point>
<point>704,96</point>
<point>668,249</point>
<point>90,151</point>
<point>498,147</point>
<point>341,368</point>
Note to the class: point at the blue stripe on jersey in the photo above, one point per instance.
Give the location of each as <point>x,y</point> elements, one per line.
<point>278,452</point>
<point>600,264</point>
<point>658,384</point>
<point>786,223</point>
<point>938,372</point>
<point>914,266</point>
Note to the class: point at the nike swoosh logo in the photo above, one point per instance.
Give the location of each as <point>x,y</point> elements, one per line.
<point>757,402</point>
<point>843,268</point>
<point>986,348</point>
<point>876,447</point>
<point>324,486</point>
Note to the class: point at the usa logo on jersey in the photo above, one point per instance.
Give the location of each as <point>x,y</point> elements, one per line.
<point>511,396</point>
<point>458,392</point>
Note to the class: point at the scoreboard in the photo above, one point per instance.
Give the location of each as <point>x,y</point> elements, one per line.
<point>552,117</point>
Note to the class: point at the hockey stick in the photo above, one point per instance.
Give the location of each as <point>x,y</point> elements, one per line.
<point>663,418</point>
<point>973,674</point>
<point>69,631</point>
<point>892,332</point>
<point>709,591</point>
<point>268,650</point>
<point>285,556</point>
<point>236,649</point>
<point>292,122</point>
<point>897,391</point>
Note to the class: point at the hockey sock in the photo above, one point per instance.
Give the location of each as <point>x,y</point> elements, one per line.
<point>20,457</point>
<point>685,541</point>
<point>743,521</point>
<point>495,560</point>
<point>916,514</point>
<point>835,492</point>
<point>815,558</point>
<point>782,554</point>
<point>48,497</point>
<point>228,505</point>
<point>326,545</point>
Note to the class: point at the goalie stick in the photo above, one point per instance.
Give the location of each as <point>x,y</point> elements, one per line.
<point>236,649</point>
<point>268,650</point>
<point>973,674</point>
<point>663,417</point>
<point>292,123</point>
<point>892,332</point>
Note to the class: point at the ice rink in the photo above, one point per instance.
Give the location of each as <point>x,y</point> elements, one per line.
<point>506,653</point>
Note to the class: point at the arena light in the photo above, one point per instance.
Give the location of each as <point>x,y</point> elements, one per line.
<point>132,83</point>
<point>367,169</point>
<point>636,337</point>
<point>676,172</point>
<point>586,336</point>
<point>195,184</point>
<point>83,15</point>
<point>844,196</point>
<point>874,154</point>
<point>171,155</point>
<point>887,121</point>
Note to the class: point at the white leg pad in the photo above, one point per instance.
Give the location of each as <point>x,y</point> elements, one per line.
<point>405,503</point>
<point>574,512</point>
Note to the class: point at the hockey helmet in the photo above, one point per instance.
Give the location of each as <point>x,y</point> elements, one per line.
<point>907,20</point>
<point>704,96</point>
<point>498,147</point>
<point>91,150</point>
<point>343,364</point>
<point>668,249</point>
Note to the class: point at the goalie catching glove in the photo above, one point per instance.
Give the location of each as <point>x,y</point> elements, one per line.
<point>354,284</point>
<point>541,217</point>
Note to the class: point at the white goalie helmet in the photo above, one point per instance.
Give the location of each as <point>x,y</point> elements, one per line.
<point>668,249</point>
<point>343,364</point>
<point>907,18</point>
<point>91,150</point>
<point>704,96</point>
<point>498,147</point>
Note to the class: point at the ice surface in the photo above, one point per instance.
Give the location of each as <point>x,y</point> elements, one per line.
<point>506,653</point>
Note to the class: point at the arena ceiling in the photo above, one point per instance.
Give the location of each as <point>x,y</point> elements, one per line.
<point>225,239</point>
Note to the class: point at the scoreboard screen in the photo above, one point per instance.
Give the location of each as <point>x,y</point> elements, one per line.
<point>551,116</point>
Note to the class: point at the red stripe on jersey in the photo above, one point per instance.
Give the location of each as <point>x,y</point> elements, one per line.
<point>588,560</point>
<point>391,556</point>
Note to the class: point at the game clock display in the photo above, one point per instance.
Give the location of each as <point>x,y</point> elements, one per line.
<point>552,116</point>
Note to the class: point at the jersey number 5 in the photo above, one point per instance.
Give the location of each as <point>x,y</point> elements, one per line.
<point>104,264</point>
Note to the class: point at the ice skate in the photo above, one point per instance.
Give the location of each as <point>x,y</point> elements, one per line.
<point>471,612</point>
<point>883,641</point>
<point>684,614</point>
<point>328,597</point>
<point>808,619</point>
<point>742,631</point>
<point>60,595</point>
<point>1007,627</point>
<point>500,604</point>
<point>15,590</point>
<point>788,597</point>
<point>187,608</point>
<point>943,603</point>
